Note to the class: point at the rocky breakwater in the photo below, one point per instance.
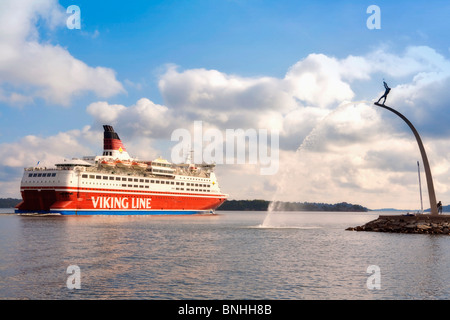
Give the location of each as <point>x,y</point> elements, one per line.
<point>420,223</point>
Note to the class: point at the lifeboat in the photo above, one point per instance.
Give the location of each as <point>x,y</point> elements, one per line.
<point>139,165</point>
<point>123,163</point>
<point>108,163</point>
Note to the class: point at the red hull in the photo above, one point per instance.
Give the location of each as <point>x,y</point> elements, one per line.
<point>84,200</point>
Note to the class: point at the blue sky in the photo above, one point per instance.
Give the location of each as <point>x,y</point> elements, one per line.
<point>247,41</point>
<point>249,38</point>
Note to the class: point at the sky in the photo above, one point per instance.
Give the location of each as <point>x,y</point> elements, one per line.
<point>308,70</point>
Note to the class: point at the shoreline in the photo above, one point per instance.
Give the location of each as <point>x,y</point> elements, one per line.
<point>418,224</point>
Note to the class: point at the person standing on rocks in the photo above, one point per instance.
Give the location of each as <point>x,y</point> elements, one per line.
<point>439,207</point>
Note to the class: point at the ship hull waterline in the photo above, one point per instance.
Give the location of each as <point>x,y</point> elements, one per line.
<point>116,212</point>
<point>95,203</point>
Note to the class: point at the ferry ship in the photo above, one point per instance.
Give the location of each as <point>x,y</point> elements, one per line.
<point>116,184</point>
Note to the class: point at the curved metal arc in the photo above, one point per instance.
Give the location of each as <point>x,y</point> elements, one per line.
<point>426,165</point>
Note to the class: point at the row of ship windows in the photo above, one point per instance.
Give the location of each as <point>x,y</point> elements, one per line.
<point>146,186</point>
<point>50,174</point>
<point>43,181</point>
<point>190,178</point>
<point>146,180</point>
<point>156,197</point>
<point>53,174</point>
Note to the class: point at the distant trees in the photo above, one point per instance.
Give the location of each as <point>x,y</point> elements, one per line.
<point>256,205</point>
<point>263,205</point>
<point>9,202</point>
<point>245,205</point>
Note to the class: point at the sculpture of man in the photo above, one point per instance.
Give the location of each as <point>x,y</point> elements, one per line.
<point>385,93</point>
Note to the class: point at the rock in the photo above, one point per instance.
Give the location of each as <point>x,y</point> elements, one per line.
<point>415,224</point>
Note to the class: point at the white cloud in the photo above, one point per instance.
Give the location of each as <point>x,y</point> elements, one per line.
<point>317,80</point>
<point>31,69</point>
<point>223,99</point>
<point>145,118</point>
<point>30,149</point>
<point>349,151</point>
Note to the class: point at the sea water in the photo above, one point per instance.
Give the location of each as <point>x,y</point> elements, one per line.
<point>298,255</point>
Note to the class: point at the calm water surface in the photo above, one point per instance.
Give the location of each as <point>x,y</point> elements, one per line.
<point>296,255</point>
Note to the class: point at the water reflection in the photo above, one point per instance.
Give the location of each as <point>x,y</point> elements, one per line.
<point>229,256</point>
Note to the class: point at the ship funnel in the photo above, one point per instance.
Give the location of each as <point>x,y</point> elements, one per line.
<point>112,145</point>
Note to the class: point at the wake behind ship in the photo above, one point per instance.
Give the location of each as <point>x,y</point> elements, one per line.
<point>116,184</point>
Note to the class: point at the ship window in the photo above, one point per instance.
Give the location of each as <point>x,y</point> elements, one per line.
<point>111,178</point>
<point>39,174</point>
<point>130,185</point>
<point>182,183</point>
<point>146,180</point>
<point>117,178</point>
<point>171,182</point>
<point>135,186</point>
<point>124,179</point>
<point>146,186</point>
<point>141,186</point>
<point>35,175</point>
<point>91,176</point>
<point>84,176</point>
<point>157,181</point>
<point>178,184</point>
<point>136,180</point>
<point>152,181</point>
<point>129,179</point>
<point>141,180</point>
<point>105,178</point>
<point>98,177</point>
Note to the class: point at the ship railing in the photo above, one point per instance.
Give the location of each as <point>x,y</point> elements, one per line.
<point>39,169</point>
<point>60,168</point>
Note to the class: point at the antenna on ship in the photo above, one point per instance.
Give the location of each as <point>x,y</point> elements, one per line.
<point>189,156</point>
